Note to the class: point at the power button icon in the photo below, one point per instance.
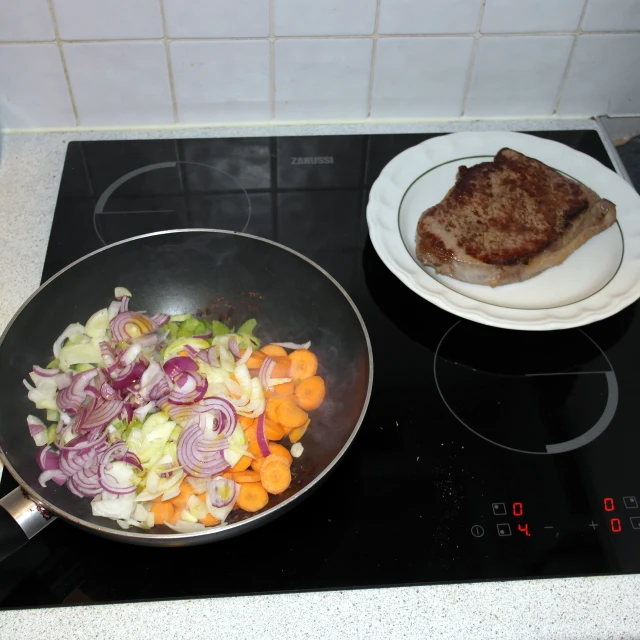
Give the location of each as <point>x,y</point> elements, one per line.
<point>477,531</point>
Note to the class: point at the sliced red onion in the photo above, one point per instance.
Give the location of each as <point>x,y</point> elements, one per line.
<point>64,379</point>
<point>71,330</point>
<point>234,347</point>
<point>189,387</point>
<point>129,325</point>
<point>57,476</point>
<point>222,492</point>
<point>48,459</point>
<point>293,345</point>
<point>108,392</point>
<point>147,340</point>
<point>195,460</point>
<point>121,292</point>
<point>192,351</point>
<point>116,451</point>
<point>141,412</point>
<point>127,412</point>
<point>92,391</point>
<point>124,305</point>
<point>71,398</point>
<point>247,354</point>
<point>177,365</point>
<point>131,353</point>
<point>160,319</point>
<point>127,376</point>
<point>86,482</point>
<point>108,354</point>
<point>103,414</point>
<point>223,410</point>
<point>154,383</point>
<point>204,336</point>
<point>208,356</point>
<point>261,438</point>
<point>45,373</point>
<point>36,426</point>
<point>131,458</point>
<point>265,371</point>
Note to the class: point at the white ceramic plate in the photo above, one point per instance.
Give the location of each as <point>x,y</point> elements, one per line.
<point>595,282</point>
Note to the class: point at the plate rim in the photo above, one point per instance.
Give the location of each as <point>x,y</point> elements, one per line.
<point>400,173</point>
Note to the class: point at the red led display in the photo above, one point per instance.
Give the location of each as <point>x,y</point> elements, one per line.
<point>609,504</point>
<point>616,526</point>
<point>524,528</point>
<point>517,509</point>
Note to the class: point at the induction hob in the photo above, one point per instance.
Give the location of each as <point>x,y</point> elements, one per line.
<point>485,454</point>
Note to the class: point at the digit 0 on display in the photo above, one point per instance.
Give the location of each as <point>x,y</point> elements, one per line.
<point>517,508</point>
<point>616,525</point>
<point>609,504</point>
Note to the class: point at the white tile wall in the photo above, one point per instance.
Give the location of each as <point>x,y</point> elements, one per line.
<point>217,18</point>
<point>25,20</point>
<point>429,89</point>
<point>222,81</point>
<point>603,77</point>
<point>324,17</point>
<point>429,16</point>
<point>517,75</point>
<point>612,15</point>
<point>120,83</point>
<point>107,20</point>
<point>517,16</point>
<point>322,79</point>
<point>33,91</point>
<point>148,62</point>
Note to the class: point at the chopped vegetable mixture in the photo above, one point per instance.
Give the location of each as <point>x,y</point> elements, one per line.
<point>171,419</point>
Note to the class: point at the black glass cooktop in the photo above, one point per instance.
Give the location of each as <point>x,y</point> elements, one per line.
<point>485,454</point>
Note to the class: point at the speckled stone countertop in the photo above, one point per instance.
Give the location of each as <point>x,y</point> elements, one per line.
<point>584,608</point>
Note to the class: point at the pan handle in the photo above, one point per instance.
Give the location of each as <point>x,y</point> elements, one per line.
<point>21,517</point>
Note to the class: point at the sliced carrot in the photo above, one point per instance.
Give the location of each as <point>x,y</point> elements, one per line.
<point>243,477</point>
<point>278,450</point>
<point>209,520</point>
<point>254,449</point>
<point>162,511</point>
<point>245,422</point>
<point>227,474</point>
<point>297,433</point>
<point>275,475</point>
<point>242,464</point>
<point>183,353</point>
<point>255,359</point>
<point>250,432</point>
<point>310,393</point>
<point>304,364</point>
<point>272,408</point>
<point>273,351</point>
<point>272,430</point>
<point>186,491</point>
<point>290,415</point>
<point>252,497</point>
<point>285,389</point>
<point>282,368</point>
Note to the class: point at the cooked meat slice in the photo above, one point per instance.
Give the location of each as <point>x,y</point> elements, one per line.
<point>508,220</point>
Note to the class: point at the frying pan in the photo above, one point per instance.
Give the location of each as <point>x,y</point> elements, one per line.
<point>213,274</point>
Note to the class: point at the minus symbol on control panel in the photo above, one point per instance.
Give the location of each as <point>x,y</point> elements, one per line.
<point>548,527</point>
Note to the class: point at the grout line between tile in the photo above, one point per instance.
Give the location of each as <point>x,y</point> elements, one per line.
<point>565,75</point>
<point>166,40</point>
<point>273,38</point>
<point>58,43</point>
<point>272,62</point>
<point>374,53</point>
<point>472,63</point>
